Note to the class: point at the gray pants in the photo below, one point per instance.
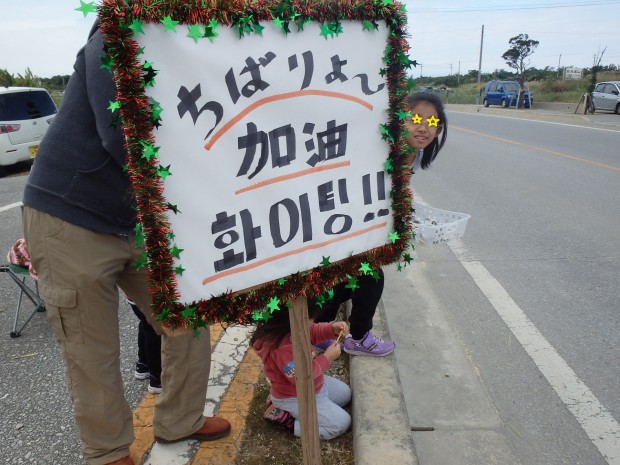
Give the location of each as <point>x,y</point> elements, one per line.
<point>332,418</point>
<point>79,272</point>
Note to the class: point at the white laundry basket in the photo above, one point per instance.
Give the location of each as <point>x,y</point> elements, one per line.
<point>432,225</point>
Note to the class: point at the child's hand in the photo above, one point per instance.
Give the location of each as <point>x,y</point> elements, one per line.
<point>338,326</point>
<point>333,352</point>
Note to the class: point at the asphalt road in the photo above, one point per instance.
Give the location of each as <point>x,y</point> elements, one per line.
<point>529,298</point>
<point>543,194</point>
<point>36,417</point>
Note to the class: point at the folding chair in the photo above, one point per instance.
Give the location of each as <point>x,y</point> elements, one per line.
<point>18,273</point>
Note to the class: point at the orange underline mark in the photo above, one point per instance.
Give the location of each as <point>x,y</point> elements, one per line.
<point>540,149</point>
<point>297,174</point>
<point>241,269</point>
<point>275,98</point>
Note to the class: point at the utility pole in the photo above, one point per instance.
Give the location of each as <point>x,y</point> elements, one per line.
<point>421,68</point>
<point>559,59</point>
<point>480,65</point>
<point>458,76</point>
<point>450,69</point>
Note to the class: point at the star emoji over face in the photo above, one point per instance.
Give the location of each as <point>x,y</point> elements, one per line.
<point>417,119</point>
<point>432,121</point>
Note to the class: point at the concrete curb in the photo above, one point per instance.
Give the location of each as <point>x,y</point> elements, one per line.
<point>381,429</point>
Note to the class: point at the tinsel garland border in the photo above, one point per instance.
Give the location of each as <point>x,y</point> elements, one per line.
<point>116,18</point>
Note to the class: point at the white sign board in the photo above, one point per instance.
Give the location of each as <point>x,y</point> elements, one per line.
<point>274,150</point>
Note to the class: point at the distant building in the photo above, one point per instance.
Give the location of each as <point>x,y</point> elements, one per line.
<point>571,72</point>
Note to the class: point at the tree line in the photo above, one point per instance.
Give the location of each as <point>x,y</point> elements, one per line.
<point>28,79</point>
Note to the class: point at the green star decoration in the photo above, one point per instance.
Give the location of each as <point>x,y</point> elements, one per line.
<point>175,251</point>
<point>138,235</point>
<point>403,115</point>
<point>325,261</point>
<point>365,268</point>
<point>385,133</point>
<point>301,23</point>
<point>258,29</point>
<point>261,315</point>
<point>326,31</point>
<point>273,304</point>
<point>169,24</point>
<point>113,106</point>
<point>330,294</point>
<point>281,282</point>
<point>149,74</point>
<point>136,26</point>
<point>280,23</point>
<point>149,150</point>
<point>86,8</point>
<point>352,284</point>
<point>369,25</point>
<point>210,30</point>
<point>389,166</point>
<point>194,32</point>
<point>179,270</point>
<point>141,261</point>
<point>336,27</point>
<point>399,267</point>
<point>320,300</point>
<point>173,208</point>
<point>106,62</point>
<point>407,258</point>
<point>394,236</point>
<point>188,312</point>
<point>164,172</point>
<point>156,111</point>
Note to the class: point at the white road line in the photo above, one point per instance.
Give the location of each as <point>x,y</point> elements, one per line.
<point>10,206</point>
<point>225,359</point>
<point>537,121</point>
<point>594,418</point>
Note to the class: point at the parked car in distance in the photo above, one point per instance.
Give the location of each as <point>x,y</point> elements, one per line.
<point>606,96</point>
<point>25,115</point>
<point>505,93</point>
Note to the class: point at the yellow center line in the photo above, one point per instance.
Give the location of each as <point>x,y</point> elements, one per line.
<point>540,149</point>
<point>143,413</point>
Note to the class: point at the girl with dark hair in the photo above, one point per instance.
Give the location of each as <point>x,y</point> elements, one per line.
<point>272,342</point>
<point>427,132</point>
<point>427,123</point>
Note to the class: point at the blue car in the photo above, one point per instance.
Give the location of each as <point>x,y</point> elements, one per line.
<point>505,93</point>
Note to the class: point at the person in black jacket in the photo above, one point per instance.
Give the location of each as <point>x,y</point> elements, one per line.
<point>79,219</point>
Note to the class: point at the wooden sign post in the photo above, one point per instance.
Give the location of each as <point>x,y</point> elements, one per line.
<point>306,398</point>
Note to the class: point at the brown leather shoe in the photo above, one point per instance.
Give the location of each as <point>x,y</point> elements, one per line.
<point>212,429</point>
<point>124,461</point>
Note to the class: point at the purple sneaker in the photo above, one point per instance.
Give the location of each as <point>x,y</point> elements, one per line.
<point>369,344</point>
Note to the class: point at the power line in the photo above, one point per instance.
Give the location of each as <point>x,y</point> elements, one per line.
<point>513,8</point>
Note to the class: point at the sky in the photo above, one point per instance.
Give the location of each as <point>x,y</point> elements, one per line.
<point>445,36</point>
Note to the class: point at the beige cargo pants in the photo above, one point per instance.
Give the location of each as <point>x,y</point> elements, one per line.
<point>80,272</point>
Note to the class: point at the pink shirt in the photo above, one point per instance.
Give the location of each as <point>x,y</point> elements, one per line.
<point>279,366</point>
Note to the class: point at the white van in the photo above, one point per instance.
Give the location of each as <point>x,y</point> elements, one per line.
<point>25,115</point>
